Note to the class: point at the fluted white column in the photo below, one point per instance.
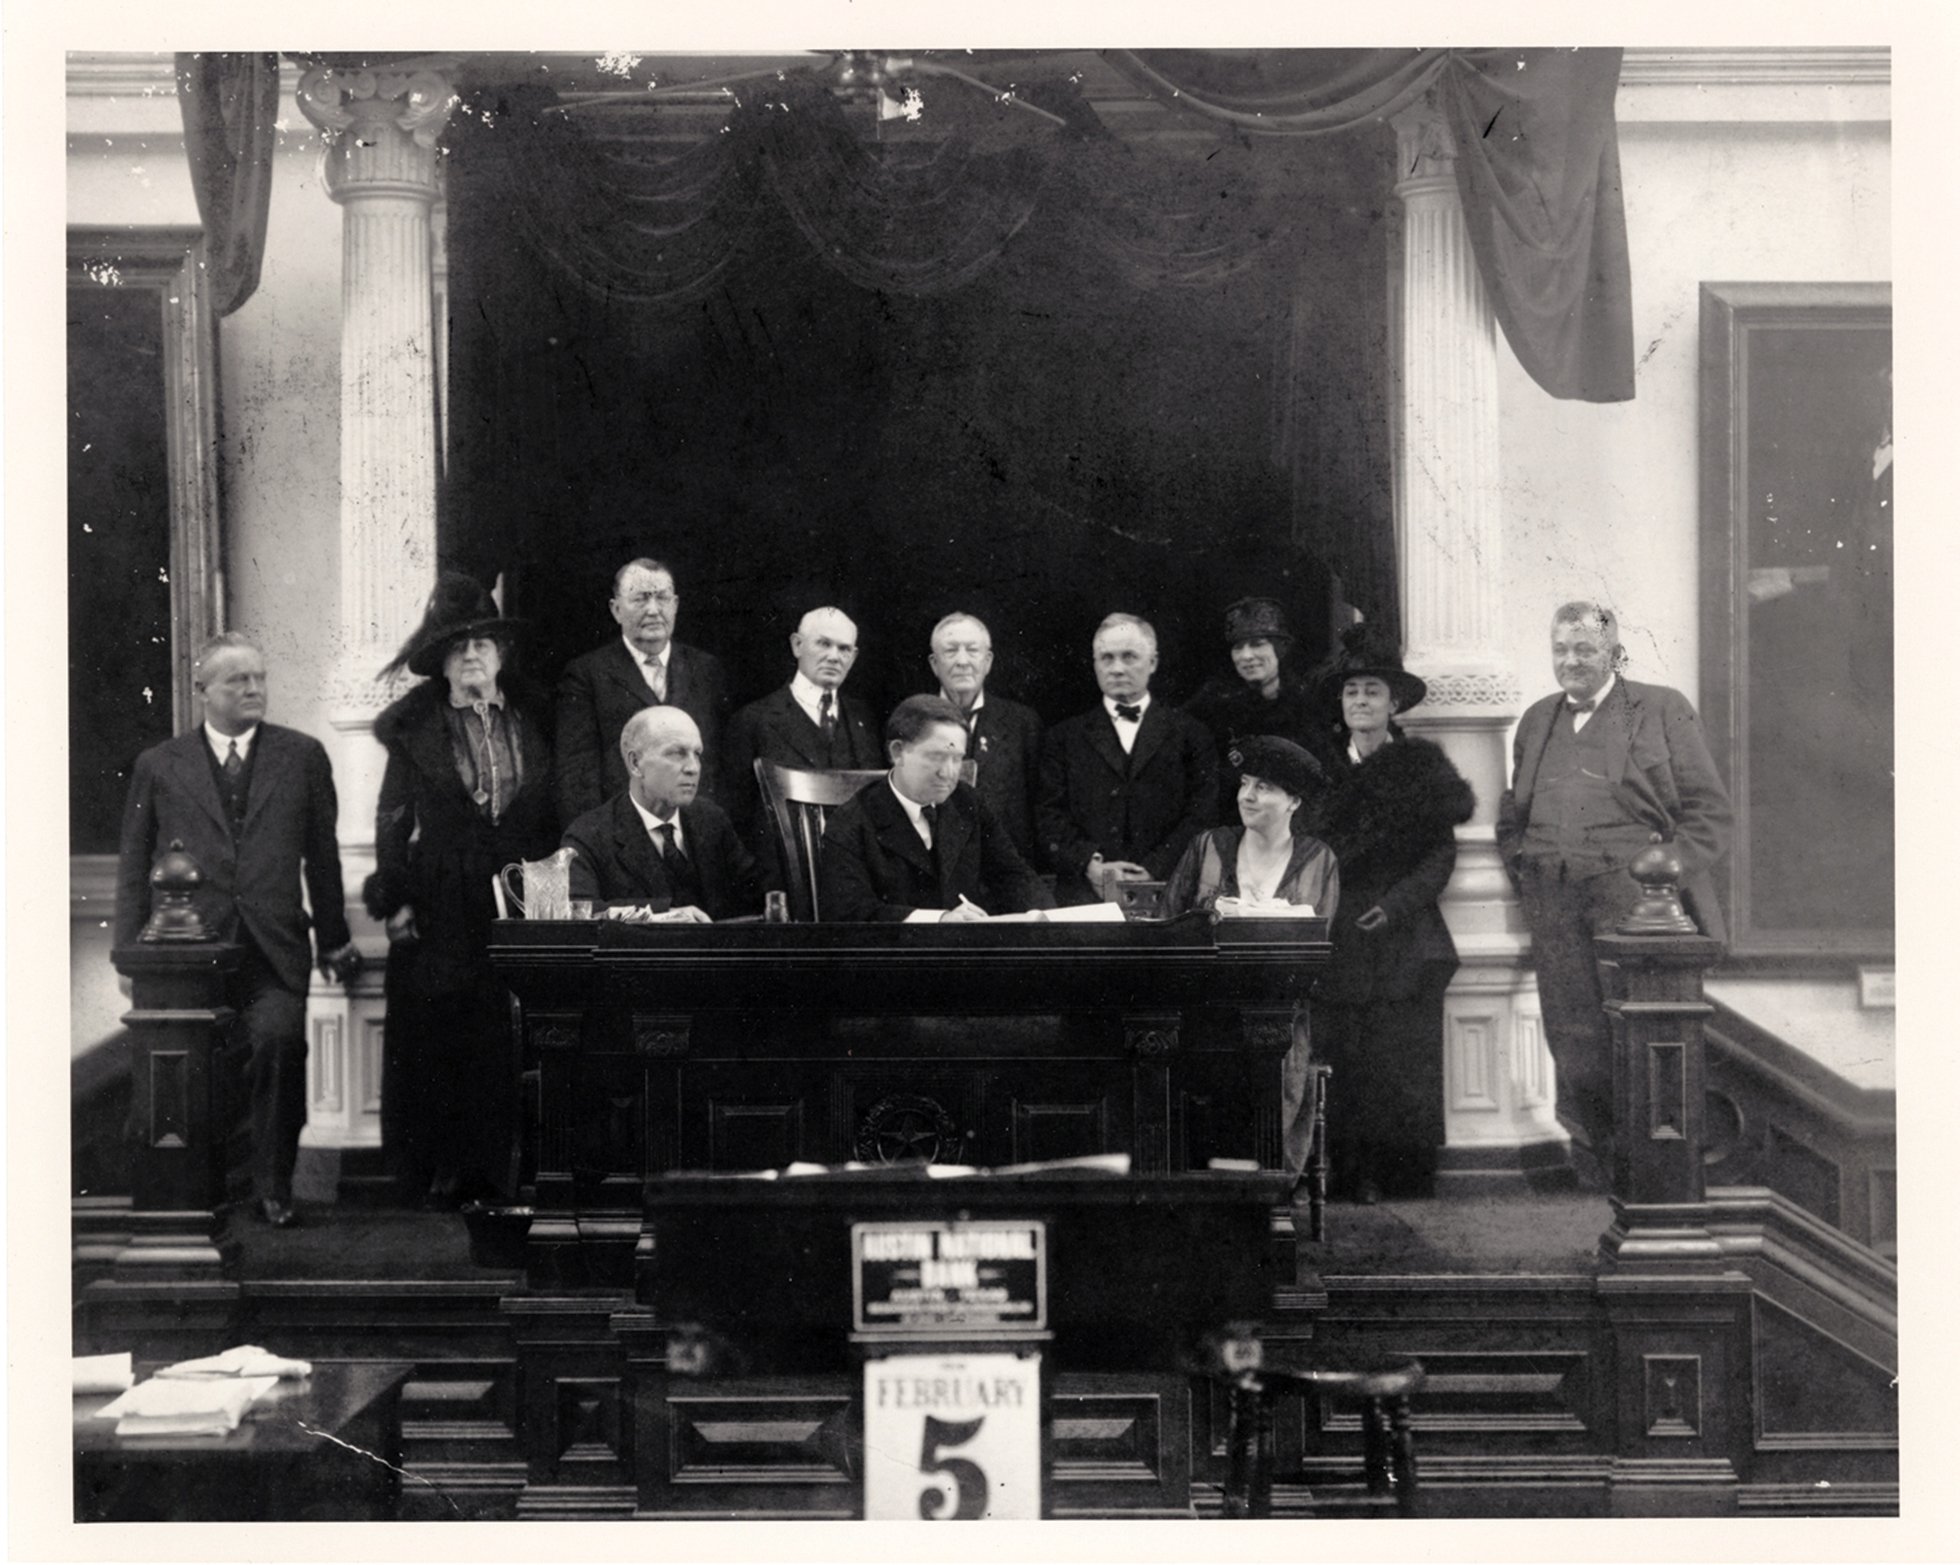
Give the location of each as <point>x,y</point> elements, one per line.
<point>381,168</point>
<point>1497,1075</point>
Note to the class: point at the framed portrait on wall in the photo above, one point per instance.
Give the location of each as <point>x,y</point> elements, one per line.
<point>1796,646</point>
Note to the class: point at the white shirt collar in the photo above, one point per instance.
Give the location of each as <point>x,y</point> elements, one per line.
<point>1354,755</point>
<point>1598,697</point>
<point>1126,732</point>
<point>650,820</point>
<point>809,695</point>
<point>221,743</point>
<point>913,812</point>
<point>663,657</point>
<point>966,711</point>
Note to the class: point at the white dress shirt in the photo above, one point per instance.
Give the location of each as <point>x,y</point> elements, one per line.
<point>652,822</point>
<point>913,813</point>
<point>664,657</point>
<point>809,695</point>
<point>1126,732</point>
<point>221,743</point>
<point>1580,719</point>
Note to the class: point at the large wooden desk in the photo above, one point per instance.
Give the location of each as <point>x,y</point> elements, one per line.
<point>667,1047</point>
<point>747,1372</point>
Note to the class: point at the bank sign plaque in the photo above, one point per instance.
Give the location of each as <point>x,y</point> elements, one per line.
<point>936,1278</point>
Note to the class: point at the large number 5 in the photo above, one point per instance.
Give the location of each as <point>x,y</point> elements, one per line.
<point>971,1480</point>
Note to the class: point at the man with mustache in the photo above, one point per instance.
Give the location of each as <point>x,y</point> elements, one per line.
<point>643,667</point>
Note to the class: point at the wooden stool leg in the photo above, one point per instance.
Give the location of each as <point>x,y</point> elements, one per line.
<point>1262,1467</point>
<point>1317,1163</point>
<point>1402,1453</point>
<point>1374,1446</point>
<point>1238,1435</point>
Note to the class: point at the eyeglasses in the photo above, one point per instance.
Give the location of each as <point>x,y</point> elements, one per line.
<point>640,600</point>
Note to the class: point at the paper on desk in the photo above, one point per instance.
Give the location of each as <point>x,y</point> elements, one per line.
<point>233,1362</point>
<point>1237,907</point>
<point>186,1407</point>
<point>96,1373</point>
<point>1097,1162</point>
<point>1088,913</point>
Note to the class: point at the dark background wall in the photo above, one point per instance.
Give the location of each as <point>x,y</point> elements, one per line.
<point>1042,445</point>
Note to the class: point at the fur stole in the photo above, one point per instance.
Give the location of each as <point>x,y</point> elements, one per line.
<point>1408,789</point>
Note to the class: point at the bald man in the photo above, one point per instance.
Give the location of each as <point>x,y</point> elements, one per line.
<point>659,845</point>
<point>809,724</point>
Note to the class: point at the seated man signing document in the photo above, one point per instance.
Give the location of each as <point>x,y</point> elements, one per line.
<point>922,845</point>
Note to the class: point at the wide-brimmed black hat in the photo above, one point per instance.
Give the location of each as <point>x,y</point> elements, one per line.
<point>459,608</point>
<point>1255,619</point>
<point>1278,761</point>
<point>1364,652</point>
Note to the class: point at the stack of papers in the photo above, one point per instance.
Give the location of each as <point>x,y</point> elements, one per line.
<point>237,1363</point>
<point>100,1374</point>
<point>186,1407</point>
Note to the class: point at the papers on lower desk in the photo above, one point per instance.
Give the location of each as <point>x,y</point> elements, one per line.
<point>186,1407</point>
<point>237,1363</point>
<point>1238,907</point>
<point>103,1374</point>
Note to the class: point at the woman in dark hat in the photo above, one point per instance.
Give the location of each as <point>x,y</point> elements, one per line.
<point>1262,695</point>
<point>1266,859</point>
<point>1390,814</point>
<point>467,790</point>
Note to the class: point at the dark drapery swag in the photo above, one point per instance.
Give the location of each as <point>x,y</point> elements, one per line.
<point>229,103</point>
<point>1538,167</point>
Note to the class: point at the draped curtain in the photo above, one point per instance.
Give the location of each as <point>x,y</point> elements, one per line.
<point>1537,165</point>
<point>229,103</point>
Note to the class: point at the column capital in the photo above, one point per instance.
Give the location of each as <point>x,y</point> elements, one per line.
<point>381,128</point>
<point>1425,151</point>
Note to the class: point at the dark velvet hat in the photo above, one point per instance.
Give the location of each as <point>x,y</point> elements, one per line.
<point>1280,762</point>
<point>459,607</point>
<point>1255,619</point>
<point>1364,652</point>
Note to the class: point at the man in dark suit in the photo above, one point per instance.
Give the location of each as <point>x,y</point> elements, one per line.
<point>1126,785</point>
<point>644,667</point>
<point>1003,738</point>
<point>1599,772</point>
<point>657,844</point>
<point>809,724</point>
<point>254,805</point>
<point>922,846</point>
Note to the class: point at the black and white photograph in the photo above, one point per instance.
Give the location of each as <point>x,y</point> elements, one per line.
<point>588,575</point>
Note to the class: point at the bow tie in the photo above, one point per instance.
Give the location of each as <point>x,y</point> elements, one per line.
<point>1129,714</point>
<point>1578,707</point>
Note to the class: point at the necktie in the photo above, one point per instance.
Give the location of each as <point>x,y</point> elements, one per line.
<point>1578,707</point>
<point>234,762</point>
<point>1129,714</point>
<point>929,813</point>
<point>669,849</point>
<point>827,712</point>
<point>657,678</point>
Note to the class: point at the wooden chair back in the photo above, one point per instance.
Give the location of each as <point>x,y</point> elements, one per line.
<point>798,802</point>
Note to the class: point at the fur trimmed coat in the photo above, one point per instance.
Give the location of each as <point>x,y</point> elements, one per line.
<point>1391,822</point>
